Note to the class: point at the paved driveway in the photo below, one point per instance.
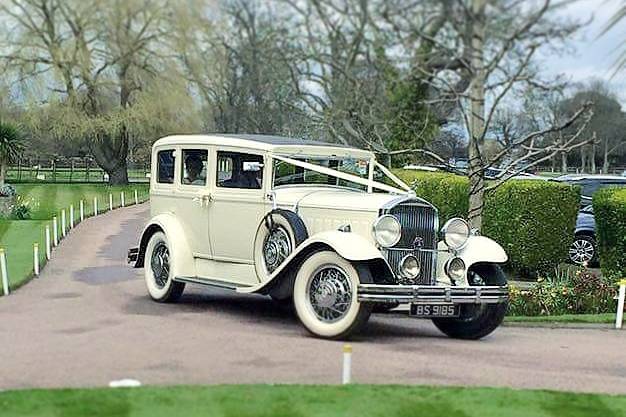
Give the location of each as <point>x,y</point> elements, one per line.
<point>87,320</point>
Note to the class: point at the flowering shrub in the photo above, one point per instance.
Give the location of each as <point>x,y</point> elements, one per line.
<point>581,292</point>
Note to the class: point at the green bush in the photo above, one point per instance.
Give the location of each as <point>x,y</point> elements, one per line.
<point>564,292</point>
<point>533,220</point>
<point>447,192</point>
<point>609,207</point>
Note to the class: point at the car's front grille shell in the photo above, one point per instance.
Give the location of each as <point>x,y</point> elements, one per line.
<point>419,223</point>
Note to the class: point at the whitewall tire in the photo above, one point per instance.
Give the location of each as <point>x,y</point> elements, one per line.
<point>158,271</point>
<point>325,295</point>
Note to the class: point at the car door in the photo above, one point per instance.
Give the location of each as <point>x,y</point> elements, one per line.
<point>238,204</point>
<point>193,197</point>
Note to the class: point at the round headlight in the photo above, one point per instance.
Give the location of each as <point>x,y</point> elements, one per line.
<point>455,268</point>
<point>387,231</point>
<point>455,233</point>
<point>410,267</point>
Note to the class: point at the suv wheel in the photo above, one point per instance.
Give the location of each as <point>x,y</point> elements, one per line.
<point>325,295</point>
<point>584,250</point>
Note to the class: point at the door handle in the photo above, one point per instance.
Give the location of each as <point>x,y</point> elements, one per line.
<point>203,199</point>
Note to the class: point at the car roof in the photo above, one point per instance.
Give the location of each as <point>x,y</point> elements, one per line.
<point>270,143</point>
<point>580,177</point>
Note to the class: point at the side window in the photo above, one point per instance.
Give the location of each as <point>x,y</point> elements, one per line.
<point>165,166</point>
<point>239,170</point>
<point>194,167</point>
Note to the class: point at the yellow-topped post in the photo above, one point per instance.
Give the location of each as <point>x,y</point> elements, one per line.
<point>347,364</point>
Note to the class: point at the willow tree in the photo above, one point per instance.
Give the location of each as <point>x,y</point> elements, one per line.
<point>97,58</point>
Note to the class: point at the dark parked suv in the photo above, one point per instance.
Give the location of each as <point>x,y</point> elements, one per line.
<point>584,249</point>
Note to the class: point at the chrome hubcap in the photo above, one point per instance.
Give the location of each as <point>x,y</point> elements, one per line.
<point>160,264</point>
<point>276,248</point>
<point>581,251</point>
<point>330,293</point>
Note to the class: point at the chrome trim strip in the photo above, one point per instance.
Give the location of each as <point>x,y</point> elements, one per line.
<point>210,283</point>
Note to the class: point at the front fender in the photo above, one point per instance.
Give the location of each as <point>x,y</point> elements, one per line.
<point>478,249</point>
<point>181,257</point>
<point>482,249</point>
<point>350,246</point>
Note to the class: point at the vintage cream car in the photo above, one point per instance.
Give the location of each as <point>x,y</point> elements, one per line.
<point>317,224</point>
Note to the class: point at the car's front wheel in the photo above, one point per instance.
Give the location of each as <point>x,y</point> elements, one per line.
<point>158,271</point>
<point>325,295</point>
<point>477,321</point>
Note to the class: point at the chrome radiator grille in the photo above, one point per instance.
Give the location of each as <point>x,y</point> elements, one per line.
<point>419,230</point>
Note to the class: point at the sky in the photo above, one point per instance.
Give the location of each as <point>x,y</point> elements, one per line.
<point>593,56</point>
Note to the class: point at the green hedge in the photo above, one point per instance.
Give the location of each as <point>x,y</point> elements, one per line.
<point>533,220</point>
<point>609,207</point>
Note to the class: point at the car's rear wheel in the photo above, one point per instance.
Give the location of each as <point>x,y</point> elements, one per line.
<point>584,250</point>
<point>325,295</point>
<point>158,271</point>
<point>477,321</point>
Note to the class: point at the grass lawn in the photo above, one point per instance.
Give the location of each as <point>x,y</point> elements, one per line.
<point>17,238</point>
<point>299,401</point>
<point>47,200</point>
<point>566,318</point>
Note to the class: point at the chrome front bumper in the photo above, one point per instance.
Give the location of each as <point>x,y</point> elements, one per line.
<point>432,294</point>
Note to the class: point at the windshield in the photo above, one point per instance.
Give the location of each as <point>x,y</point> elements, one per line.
<point>288,174</point>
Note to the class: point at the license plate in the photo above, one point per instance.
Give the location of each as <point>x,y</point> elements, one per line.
<point>435,310</point>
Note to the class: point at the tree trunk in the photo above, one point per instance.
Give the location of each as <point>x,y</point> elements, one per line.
<point>119,174</point>
<point>592,159</point>
<point>3,170</point>
<point>583,160</point>
<point>477,116</point>
<point>563,162</point>
<point>605,163</point>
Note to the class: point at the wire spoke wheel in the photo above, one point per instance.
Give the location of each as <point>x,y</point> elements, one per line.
<point>330,293</point>
<point>160,264</point>
<point>276,248</point>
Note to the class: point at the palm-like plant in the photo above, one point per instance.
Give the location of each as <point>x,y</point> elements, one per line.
<point>11,147</point>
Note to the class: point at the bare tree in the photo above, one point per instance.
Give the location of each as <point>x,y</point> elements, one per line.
<point>484,55</point>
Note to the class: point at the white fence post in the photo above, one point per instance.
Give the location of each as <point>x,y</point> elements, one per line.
<point>71,216</point>
<point>136,198</point>
<point>122,198</point>
<point>63,223</point>
<point>4,273</point>
<point>82,211</point>
<point>36,258</point>
<point>55,231</point>
<point>110,202</point>
<point>48,242</point>
<point>347,364</point>
<point>619,317</point>
<point>95,206</point>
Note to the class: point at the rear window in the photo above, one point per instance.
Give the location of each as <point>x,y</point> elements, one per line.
<point>165,166</point>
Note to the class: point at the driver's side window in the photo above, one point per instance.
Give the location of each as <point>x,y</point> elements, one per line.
<point>239,170</point>
<point>194,167</point>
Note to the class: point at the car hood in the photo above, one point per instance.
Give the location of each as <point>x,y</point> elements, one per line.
<point>324,197</point>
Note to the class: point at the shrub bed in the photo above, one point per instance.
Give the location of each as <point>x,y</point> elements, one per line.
<point>533,220</point>
<point>565,292</point>
<point>609,207</point>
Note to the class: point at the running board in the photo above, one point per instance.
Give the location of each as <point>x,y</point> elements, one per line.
<point>210,283</point>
